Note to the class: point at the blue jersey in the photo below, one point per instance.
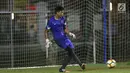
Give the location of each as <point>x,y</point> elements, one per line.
<point>57,28</point>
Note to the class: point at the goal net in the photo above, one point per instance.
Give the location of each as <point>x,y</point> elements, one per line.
<point>101,34</point>
<point>120,30</point>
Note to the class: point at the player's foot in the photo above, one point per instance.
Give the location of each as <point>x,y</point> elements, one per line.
<point>83,66</point>
<point>63,70</point>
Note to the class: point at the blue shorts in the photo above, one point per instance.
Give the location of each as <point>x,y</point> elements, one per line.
<point>64,43</point>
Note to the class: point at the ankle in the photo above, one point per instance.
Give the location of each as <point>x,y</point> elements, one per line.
<point>61,70</point>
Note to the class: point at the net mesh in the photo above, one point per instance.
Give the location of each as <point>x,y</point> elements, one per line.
<point>22,42</point>
<point>120,21</point>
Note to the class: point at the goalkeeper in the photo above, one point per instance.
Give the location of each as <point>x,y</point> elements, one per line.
<point>59,30</point>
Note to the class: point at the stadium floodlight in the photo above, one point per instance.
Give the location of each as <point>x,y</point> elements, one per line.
<point>110,6</point>
<point>12,16</point>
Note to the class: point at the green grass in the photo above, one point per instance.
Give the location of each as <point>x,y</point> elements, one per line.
<point>90,68</point>
<point>128,63</point>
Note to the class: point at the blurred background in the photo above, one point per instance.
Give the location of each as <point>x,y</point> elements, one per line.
<point>101,33</point>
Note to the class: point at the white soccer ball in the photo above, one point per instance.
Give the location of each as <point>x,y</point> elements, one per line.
<point>111,63</point>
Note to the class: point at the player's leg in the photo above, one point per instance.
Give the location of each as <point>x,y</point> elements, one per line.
<point>71,54</point>
<point>82,65</point>
<point>71,49</point>
<point>66,60</point>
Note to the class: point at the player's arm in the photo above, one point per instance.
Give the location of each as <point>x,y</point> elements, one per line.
<point>48,27</point>
<point>66,29</point>
<point>46,33</point>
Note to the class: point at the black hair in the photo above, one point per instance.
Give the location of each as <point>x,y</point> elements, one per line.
<point>58,9</point>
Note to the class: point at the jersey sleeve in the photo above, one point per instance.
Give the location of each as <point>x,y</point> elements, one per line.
<point>48,26</point>
<point>65,24</point>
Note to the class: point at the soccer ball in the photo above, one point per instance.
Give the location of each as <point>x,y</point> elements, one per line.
<point>111,63</point>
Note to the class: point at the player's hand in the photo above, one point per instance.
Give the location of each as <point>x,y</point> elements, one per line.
<point>72,35</point>
<point>48,43</point>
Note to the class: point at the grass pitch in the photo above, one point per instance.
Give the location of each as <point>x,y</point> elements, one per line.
<point>90,68</point>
